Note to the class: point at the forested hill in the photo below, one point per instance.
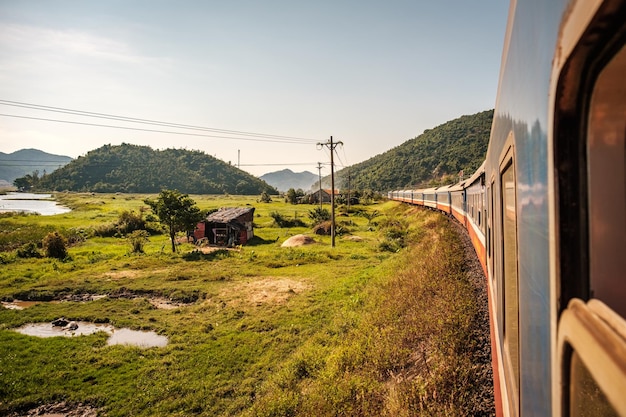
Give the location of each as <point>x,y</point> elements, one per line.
<point>433,158</point>
<point>140,169</point>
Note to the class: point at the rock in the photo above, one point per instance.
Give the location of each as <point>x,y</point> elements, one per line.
<point>72,325</point>
<point>298,240</point>
<point>60,322</point>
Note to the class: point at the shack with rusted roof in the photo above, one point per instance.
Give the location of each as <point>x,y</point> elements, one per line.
<point>229,226</point>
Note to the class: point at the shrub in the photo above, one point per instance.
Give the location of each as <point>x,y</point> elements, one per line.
<point>28,250</point>
<point>395,231</point>
<point>105,230</point>
<point>319,215</point>
<point>282,221</point>
<point>137,240</point>
<point>265,198</point>
<point>129,221</point>
<point>55,246</point>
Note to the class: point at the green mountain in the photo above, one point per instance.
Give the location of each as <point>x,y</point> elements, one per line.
<point>140,169</point>
<point>26,161</point>
<point>433,158</point>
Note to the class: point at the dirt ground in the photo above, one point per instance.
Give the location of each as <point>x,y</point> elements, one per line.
<point>269,290</point>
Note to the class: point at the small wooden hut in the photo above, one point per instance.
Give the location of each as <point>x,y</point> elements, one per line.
<point>229,226</point>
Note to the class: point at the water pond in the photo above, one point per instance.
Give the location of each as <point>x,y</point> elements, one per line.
<point>144,339</point>
<point>31,203</point>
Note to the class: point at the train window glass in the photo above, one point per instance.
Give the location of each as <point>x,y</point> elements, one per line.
<point>607,184</point>
<point>586,398</point>
<point>510,278</point>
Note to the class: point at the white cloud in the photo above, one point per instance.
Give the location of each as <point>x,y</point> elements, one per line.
<point>25,40</point>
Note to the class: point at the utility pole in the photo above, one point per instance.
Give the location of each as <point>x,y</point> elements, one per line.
<point>348,189</point>
<point>319,174</point>
<point>239,158</point>
<point>331,146</point>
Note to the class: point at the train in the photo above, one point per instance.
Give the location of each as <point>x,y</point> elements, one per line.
<point>546,211</point>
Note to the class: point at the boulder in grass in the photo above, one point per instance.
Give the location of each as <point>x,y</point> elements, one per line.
<point>297,240</point>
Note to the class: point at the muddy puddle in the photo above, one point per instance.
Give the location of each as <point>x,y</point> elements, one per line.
<point>18,305</point>
<point>144,339</point>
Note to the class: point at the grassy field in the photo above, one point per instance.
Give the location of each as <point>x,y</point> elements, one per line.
<point>363,329</point>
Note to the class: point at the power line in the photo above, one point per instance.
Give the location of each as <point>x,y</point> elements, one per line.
<point>298,142</point>
<point>82,113</point>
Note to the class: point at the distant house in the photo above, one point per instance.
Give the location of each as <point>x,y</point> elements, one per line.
<point>324,194</point>
<point>229,226</point>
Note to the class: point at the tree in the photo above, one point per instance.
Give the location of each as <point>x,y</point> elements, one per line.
<point>291,197</point>
<point>27,182</point>
<point>176,211</point>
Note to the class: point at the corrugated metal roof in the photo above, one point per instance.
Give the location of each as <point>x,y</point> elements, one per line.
<point>226,214</point>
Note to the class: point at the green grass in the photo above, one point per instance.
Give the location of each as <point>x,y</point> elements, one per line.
<point>262,330</point>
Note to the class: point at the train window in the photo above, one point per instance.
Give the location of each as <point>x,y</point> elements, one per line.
<point>586,398</point>
<point>510,276</point>
<point>607,184</point>
<point>592,347</point>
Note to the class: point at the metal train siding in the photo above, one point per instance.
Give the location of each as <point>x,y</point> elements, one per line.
<point>547,211</point>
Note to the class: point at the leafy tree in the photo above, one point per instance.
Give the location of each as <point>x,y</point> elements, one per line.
<point>176,211</point>
<point>27,182</point>
<point>291,197</point>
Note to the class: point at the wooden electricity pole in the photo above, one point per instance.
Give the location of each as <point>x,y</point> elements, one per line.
<point>331,146</point>
<point>319,174</point>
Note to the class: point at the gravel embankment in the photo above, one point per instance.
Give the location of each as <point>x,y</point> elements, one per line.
<point>484,396</point>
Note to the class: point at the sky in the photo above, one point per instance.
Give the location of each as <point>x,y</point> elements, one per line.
<point>261,82</point>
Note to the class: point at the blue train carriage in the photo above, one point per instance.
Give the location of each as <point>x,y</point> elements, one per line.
<point>457,202</point>
<point>418,197</point>
<point>475,213</point>
<point>556,211</point>
<point>430,197</point>
<point>407,196</point>
<point>443,198</point>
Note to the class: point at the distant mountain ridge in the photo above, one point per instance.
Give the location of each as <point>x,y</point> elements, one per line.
<point>285,179</point>
<point>140,169</point>
<point>26,161</point>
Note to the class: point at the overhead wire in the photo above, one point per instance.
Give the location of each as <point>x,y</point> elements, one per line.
<point>237,135</point>
<point>298,142</point>
<point>219,133</point>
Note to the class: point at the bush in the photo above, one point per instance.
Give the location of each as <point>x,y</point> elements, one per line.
<point>129,221</point>
<point>319,215</point>
<point>55,246</point>
<point>28,250</point>
<point>137,240</point>
<point>395,231</point>
<point>282,221</point>
<point>265,198</point>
